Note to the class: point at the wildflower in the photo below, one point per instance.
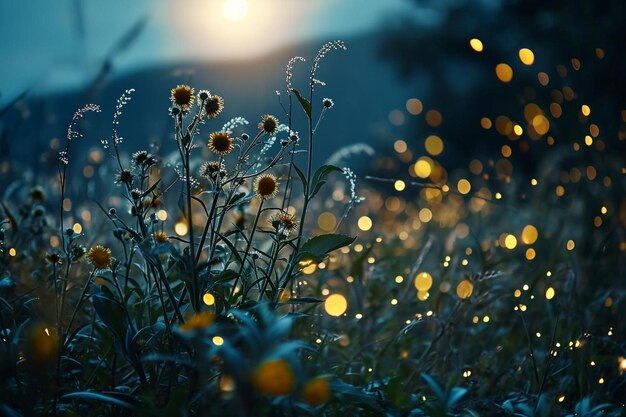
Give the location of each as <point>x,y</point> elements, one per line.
<point>274,378</point>
<point>316,391</point>
<point>37,193</point>
<point>285,296</point>
<point>174,111</point>
<point>214,106</point>
<point>160,236</point>
<point>78,252</point>
<point>284,223</point>
<point>212,169</point>
<point>328,103</point>
<point>269,124</point>
<point>220,143</point>
<point>124,177</point>
<point>203,95</point>
<point>245,137</point>
<point>183,96</point>
<point>266,186</point>
<point>143,158</point>
<point>198,321</point>
<point>135,193</point>
<point>100,257</point>
<point>54,258</point>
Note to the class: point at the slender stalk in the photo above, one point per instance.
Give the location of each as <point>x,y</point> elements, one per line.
<point>192,248</point>
<point>78,305</point>
<point>248,245</point>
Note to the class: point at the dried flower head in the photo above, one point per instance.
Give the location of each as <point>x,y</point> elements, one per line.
<point>266,186</point>
<point>328,102</point>
<point>100,257</point>
<point>284,223</point>
<point>124,177</point>
<point>141,157</point>
<point>214,106</point>
<point>54,258</point>
<point>160,236</point>
<point>220,143</point>
<point>183,96</point>
<point>37,193</point>
<point>212,169</point>
<point>203,95</point>
<point>269,124</point>
<point>136,193</point>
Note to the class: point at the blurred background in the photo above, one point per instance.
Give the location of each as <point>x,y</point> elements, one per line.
<point>413,69</point>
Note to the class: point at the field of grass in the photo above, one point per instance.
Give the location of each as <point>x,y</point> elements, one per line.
<point>234,277</point>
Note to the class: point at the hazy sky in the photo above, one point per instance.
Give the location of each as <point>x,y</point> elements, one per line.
<point>53,44</point>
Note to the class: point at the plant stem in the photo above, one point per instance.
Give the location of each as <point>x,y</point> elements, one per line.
<point>248,245</point>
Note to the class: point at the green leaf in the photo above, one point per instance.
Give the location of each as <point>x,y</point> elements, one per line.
<point>300,174</point>
<point>13,222</point>
<point>111,312</point>
<point>304,300</point>
<point>152,188</point>
<point>306,104</point>
<point>455,396</point>
<point>226,275</point>
<point>319,178</point>
<point>434,386</point>
<point>316,248</point>
<point>112,398</point>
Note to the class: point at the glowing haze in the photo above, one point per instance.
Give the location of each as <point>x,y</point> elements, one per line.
<point>56,45</point>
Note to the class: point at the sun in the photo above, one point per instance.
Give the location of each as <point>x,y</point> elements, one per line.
<point>235,10</point>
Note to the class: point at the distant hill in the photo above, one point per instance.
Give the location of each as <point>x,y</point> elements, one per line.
<point>363,87</point>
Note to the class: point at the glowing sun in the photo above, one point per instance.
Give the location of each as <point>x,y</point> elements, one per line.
<point>235,10</point>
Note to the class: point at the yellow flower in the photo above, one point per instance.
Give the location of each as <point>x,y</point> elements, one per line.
<point>269,124</point>
<point>100,257</point>
<point>183,96</point>
<point>220,143</point>
<point>316,391</point>
<point>160,236</point>
<point>284,223</point>
<point>274,378</point>
<point>198,321</point>
<point>214,106</point>
<point>266,186</point>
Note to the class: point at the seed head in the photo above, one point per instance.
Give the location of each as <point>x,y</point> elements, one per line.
<point>183,96</point>
<point>124,177</point>
<point>220,143</point>
<point>212,169</point>
<point>266,186</point>
<point>54,258</point>
<point>214,106</point>
<point>203,95</point>
<point>37,193</point>
<point>284,223</point>
<point>269,124</point>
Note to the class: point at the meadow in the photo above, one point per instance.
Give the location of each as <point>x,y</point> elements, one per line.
<point>237,277</point>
